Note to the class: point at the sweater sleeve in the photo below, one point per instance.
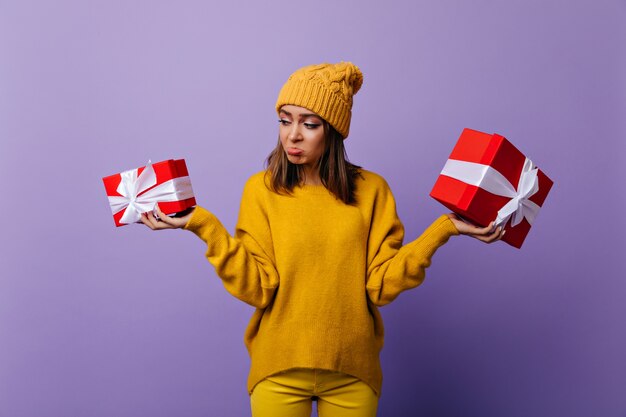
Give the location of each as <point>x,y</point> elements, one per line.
<point>245,261</point>
<point>392,267</point>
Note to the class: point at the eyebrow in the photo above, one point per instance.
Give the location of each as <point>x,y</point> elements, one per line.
<point>301,115</point>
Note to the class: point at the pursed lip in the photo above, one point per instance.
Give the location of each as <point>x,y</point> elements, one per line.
<point>294,151</point>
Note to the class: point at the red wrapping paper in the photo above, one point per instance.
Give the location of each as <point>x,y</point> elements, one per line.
<point>476,204</point>
<point>165,171</point>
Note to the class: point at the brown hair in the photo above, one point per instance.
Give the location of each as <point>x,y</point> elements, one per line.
<point>337,173</point>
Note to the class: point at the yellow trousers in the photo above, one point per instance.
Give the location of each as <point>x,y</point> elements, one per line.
<point>290,394</point>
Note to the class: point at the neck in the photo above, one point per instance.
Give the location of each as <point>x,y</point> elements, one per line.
<point>311,176</point>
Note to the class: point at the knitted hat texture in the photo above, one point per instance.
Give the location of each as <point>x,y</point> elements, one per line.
<point>325,89</point>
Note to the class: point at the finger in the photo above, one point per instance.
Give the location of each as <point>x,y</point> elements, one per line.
<point>484,239</point>
<point>156,224</point>
<point>146,221</point>
<point>483,231</point>
<point>164,217</point>
<point>497,235</point>
<point>174,222</point>
<point>492,237</point>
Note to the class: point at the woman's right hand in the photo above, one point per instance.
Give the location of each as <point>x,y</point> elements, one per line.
<point>164,221</point>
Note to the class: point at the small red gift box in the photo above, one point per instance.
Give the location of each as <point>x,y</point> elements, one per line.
<point>486,178</point>
<point>138,190</point>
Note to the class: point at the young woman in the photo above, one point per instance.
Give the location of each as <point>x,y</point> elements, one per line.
<point>317,248</point>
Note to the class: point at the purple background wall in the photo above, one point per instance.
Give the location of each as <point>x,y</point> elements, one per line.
<point>97,321</point>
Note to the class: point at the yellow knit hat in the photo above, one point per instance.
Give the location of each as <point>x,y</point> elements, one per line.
<point>326,89</point>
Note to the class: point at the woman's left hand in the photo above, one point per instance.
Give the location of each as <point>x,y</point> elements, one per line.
<point>484,234</point>
<point>163,221</point>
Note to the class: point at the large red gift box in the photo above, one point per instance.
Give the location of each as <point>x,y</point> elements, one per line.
<point>138,190</point>
<point>486,178</point>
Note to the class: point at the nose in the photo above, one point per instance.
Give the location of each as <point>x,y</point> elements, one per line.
<point>294,133</point>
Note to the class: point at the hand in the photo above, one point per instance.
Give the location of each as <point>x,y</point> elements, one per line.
<point>164,221</point>
<point>484,234</point>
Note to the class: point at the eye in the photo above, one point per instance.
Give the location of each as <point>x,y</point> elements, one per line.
<point>311,125</point>
<point>284,122</point>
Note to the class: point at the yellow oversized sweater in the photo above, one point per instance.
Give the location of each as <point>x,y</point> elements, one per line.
<point>316,269</point>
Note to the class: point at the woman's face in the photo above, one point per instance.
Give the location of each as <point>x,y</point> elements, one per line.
<point>301,134</point>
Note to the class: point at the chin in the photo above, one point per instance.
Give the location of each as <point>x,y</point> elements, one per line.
<point>295,160</point>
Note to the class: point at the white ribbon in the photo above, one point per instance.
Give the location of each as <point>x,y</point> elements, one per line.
<point>487,178</point>
<point>132,186</point>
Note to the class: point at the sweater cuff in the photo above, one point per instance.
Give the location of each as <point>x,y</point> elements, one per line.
<point>446,225</point>
<point>205,225</point>
<point>435,236</point>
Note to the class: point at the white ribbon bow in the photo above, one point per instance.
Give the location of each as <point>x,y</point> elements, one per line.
<point>132,186</point>
<point>487,178</point>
